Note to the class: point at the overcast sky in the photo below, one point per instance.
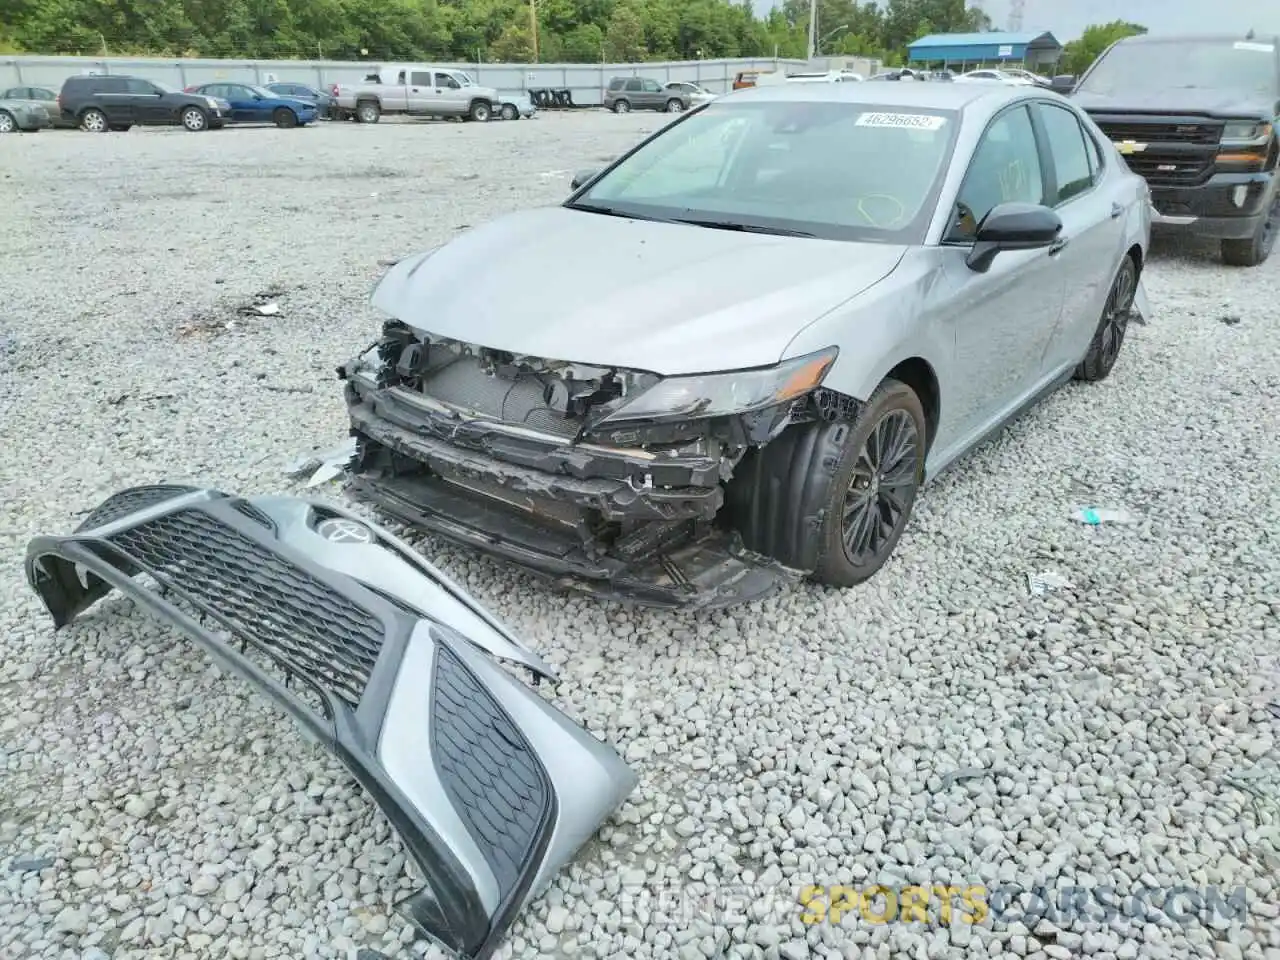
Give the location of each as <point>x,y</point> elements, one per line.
<point>1066,18</point>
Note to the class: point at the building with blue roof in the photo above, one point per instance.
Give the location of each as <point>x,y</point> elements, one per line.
<point>981,49</point>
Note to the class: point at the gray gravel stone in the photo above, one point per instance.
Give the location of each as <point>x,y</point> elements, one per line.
<point>1107,731</point>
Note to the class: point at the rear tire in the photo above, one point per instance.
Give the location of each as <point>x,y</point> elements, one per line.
<point>1107,340</point>
<point>480,112</point>
<point>94,120</point>
<point>675,106</point>
<point>1256,249</point>
<point>621,106</point>
<point>8,124</point>
<point>368,112</point>
<point>284,118</point>
<point>796,499</point>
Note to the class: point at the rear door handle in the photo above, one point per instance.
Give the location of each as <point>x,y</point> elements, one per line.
<point>1116,210</point>
<point>1057,246</point>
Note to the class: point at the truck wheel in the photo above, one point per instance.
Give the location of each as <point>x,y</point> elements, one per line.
<point>622,106</point>
<point>368,112</point>
<point>509,111</point>
<point>480,112</point>
<point>1256,249</point>
<point>834,498</point>
<point>284,118</point>
<point>94,121</point>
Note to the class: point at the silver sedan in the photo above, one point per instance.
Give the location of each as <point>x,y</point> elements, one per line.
<point>767,326</point>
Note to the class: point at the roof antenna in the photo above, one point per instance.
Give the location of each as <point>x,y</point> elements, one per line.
<point>1249,35</point>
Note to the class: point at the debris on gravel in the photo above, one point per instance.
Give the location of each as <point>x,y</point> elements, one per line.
<point>940,726</point>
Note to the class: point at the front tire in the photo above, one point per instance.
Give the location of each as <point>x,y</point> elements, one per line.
<point>94,120</point>
<point>833,498</point>
<point>284,118</point>
<point>1112,325</point>
<point>509,112</point>
<point>480,112</point>
<point>195,120</point>
<point>621,106</point>
<point>1256,249</point>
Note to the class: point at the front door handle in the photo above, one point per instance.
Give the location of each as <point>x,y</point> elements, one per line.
<point>1057,246</point>
<point>1116,210</point>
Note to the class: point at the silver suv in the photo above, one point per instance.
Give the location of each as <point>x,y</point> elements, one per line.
<point>625,94</point>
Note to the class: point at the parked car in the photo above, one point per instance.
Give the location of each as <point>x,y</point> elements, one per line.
<point>625,94</point>
<point>516,106</point>
<point>1028,75</point>
<point>1197,118</point>
<point>46,100</point>
<point>746,79</point>
<point>254,104</point>
<point>300,91</point>
<point>802,336</point>
<point>830,76</point>
<point>698,94</point>
<point>22,116</point>
<point>417,91</point>
<point>98,103</point>
<point>994,76</point>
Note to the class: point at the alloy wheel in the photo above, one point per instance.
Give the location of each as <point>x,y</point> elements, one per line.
<point>6,123</point>
<point>193,119</point>
<point>1116,319</point>
<point>94,122</point>
<point>881,488</point>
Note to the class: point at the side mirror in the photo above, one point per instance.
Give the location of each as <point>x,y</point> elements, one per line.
<point>581,177</point>
<point>1063,83</point>
<point>1012,226</point>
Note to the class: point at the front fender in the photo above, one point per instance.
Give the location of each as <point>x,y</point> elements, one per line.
<point>879,329</point>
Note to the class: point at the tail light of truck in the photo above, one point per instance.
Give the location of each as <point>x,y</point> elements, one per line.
<point>333,91</point>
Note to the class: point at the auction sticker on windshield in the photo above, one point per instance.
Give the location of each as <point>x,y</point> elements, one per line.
<point>906,121</point>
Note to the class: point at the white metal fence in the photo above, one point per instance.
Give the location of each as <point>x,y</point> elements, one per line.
<point>585,81</point>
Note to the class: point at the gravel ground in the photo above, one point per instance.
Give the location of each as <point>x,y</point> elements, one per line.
<point>938,725</point>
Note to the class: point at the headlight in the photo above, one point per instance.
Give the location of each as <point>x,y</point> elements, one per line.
<point>212,102</point>
<point>1245,130</point>
<point>724,394</point>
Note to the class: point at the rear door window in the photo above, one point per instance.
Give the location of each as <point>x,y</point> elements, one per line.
<point>1069,150</point>
<point>634,85</point>
<point>616,83</point>
<point>420,78</point>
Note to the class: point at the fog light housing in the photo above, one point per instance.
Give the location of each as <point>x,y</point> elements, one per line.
<point>1239,195</point>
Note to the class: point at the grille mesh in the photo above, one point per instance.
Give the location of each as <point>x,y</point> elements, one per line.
<point>309,629</point>
<point>493,778</point>
<point>127,501</point>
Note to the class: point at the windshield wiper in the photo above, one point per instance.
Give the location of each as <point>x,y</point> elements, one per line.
<point>614,212</point>
<point>742,227</point>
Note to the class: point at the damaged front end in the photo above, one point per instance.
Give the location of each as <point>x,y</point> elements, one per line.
<point>604,479</point>
<point>382,659</point>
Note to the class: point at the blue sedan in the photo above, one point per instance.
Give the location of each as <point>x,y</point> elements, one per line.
<point>252,104</point>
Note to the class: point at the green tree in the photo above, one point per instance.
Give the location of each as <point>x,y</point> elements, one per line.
<point>624,37</point>
<point>1079,54</point>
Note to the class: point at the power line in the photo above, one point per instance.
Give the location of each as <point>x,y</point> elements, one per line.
<point>1016,10</point>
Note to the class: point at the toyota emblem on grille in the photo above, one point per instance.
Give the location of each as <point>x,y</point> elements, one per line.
<point>342,530</point>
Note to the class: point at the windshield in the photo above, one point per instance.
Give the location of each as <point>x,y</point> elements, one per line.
<point>264,92</point>
<point>838,171</point>
<point>1243,66</point>
<point>464,78</point>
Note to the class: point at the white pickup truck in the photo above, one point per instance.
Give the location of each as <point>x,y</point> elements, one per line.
<point>416,91</point>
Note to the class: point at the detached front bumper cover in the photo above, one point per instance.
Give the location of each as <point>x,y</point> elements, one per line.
<point>378,655</point>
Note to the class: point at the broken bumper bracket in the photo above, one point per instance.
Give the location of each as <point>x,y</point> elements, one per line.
<point>380,657</point>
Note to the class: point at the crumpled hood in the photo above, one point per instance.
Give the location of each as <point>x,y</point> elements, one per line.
<point>1174,101</point>
<point>668,298</point>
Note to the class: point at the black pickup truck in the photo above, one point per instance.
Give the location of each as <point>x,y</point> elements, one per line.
<point>1197,117</point>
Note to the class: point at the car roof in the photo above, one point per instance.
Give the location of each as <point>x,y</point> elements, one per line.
<point>1199,38</point>
<point>940,96</point>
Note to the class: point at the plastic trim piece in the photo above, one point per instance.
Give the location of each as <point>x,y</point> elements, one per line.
<point>344,628</point>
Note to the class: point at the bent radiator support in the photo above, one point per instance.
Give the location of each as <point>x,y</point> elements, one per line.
<point>382,658</point>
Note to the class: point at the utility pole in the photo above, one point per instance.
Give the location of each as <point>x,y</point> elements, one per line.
<point>533,27</point>
<point>1016,10</point>
<point>813,27</point>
